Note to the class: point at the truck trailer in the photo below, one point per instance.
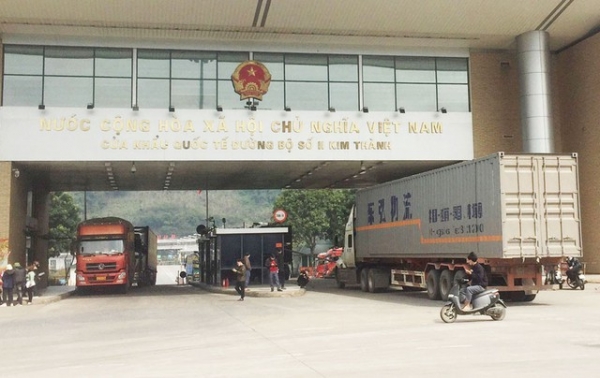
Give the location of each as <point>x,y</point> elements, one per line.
<point>519,213</point>
<point>112,252</point>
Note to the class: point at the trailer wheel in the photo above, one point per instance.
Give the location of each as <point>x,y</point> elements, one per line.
<point>364,279</point>
<point>339,283</point>
<point>446,282</point>
<point>433,284</point>
<point>529,297</point>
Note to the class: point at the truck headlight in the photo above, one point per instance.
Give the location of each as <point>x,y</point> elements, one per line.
<point>122,276</point>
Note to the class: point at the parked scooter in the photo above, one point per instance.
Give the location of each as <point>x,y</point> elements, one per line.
<point>555,277</point>
<point>485,303</point>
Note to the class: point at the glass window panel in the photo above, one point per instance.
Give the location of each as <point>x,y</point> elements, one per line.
<point>23,60</point>
<point>22,90</point>
<point>208,94</point>
<point>306,67</point>
<point>452,70</point>
<point>415,70</point>
<point>379,96</point>
<point>69,61</point>
<point>68,91</point>
<point>185,94</point>
<point>112,93</point>
<point>228,62</point>
<point>455,98</point>
<point>344,96</point>
<point>343,68</point>
<point>153,63</point>
<point>273,100</point>
<point>378,69</point>
<point>193,65</point>
<point>417,97</point>
<point>306,96</point>
<point>113,62</point>
<point>228,99</point>
<point>273,62</point>
<point>153,93</point>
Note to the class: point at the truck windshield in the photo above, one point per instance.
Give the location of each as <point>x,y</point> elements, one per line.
<point>98,247</point>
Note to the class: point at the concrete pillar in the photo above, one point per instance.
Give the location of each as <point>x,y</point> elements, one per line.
<point>534,78</point>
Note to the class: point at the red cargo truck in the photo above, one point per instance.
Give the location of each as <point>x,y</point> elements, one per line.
<point>112,252</point>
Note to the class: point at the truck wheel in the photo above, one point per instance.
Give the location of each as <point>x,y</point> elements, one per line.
<point>446,282</point>
<point>529,297</point>
<point>364,279</point>
<point>433,284</point>
<point>339,283</point>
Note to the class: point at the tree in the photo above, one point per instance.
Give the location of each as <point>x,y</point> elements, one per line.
<point>315,214</point>
<point>64,218</point>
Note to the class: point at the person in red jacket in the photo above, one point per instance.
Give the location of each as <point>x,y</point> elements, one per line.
<point>271,263</point>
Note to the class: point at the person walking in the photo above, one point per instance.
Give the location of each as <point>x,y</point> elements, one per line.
<point>19,282</point>
<point>30,283</point>
<point>271,263</point>
<point>240,284</point>
<point>248,268</point>
<point>8,284</point>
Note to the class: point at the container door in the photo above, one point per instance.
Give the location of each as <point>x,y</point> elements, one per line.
<point>541,201</point>
<point>520,183</point>
<point>559,206</point>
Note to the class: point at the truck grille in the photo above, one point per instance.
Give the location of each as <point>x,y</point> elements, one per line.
<point>100,267</point>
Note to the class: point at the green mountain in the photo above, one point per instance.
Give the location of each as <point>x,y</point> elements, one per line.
<point>179,212</point>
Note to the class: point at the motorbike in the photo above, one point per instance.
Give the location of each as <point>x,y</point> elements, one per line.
<point>576,280</point>
<point>554,277</point>
<point>486,303</point>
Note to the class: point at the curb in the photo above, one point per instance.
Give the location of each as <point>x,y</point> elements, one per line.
<point>250,293</point>
<point>45,299</point>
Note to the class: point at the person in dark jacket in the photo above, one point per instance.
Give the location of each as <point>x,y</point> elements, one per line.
<point>19,288</point>
<point>574,266</point>
<point>281,265</point>
<point>240,284</point>
<point>8,284</point>
<point>477,283</point>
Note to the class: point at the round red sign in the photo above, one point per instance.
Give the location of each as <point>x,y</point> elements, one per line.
<point>280,215</point>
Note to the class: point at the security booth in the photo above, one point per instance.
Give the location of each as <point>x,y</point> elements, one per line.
<point>219,249</point>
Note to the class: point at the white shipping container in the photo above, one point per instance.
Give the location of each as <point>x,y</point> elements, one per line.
<point>499,206</point>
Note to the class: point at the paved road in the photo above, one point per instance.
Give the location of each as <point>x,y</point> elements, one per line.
<point>175,331</point>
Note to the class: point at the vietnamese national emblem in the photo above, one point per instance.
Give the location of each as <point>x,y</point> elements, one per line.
<point>251,79</point>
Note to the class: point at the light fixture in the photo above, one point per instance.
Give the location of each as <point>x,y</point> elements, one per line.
<point>41,106</point>
<point>365,109</point>
<point>287,109</point>
<point>219,108</point>
<point>135,107</point>
<point>16,172</point>
<point>402,110</point>
<point>133,168</point>
<point>443,110</point>
<point>332,109</point>
<point>90,106</point>
<point>171,109</point>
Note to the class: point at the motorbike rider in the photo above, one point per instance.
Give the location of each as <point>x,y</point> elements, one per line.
<point>574,266</point>
<point>477,281</point>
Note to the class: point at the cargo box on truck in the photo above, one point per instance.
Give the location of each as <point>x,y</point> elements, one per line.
<point>519,213</point>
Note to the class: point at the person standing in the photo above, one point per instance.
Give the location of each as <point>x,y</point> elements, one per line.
<point>281,265</point>
<point>30,283</point>
<point>248,267</point>
<point>19,282</point>
<point>8,284</point>
<point>240,284</point>
<point>271,263</point>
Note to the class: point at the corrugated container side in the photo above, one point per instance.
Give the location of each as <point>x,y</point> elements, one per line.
<point>489,205</point>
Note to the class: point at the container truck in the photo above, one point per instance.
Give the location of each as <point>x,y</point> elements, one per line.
<point>112,252</point>
<point>519,213</point>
